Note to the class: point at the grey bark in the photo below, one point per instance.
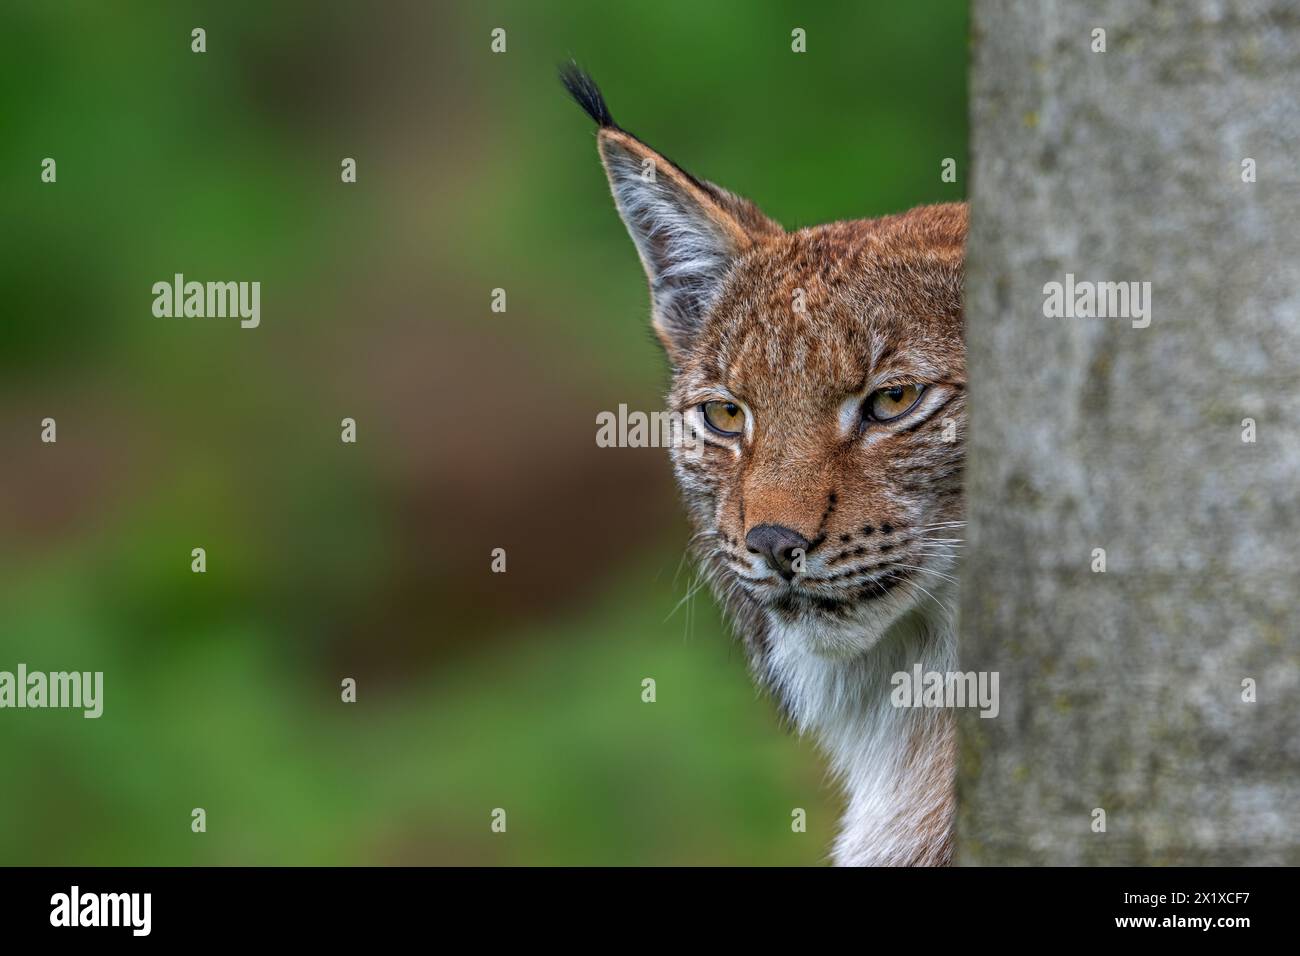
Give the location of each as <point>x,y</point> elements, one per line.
<point>1123,690</point>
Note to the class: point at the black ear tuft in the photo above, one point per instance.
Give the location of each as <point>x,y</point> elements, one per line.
<point>584,91</point>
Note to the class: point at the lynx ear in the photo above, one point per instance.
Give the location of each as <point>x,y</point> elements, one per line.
<point>686,231</point>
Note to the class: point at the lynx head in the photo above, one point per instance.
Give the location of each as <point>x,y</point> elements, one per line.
<point>824,371</point>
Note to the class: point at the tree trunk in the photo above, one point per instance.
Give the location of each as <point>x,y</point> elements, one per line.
<point>1128,690</point>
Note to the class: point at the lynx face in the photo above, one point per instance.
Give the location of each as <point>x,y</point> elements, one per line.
<point>832,459</point>
<point>825,372</point>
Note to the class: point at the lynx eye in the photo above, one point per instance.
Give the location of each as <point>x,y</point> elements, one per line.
<point>886,404</point>
<point>725,418</point>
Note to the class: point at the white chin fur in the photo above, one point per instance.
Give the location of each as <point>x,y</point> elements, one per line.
<point>839,637</point>
<point>835,678</point>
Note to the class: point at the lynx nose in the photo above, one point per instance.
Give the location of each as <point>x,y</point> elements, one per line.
<point>777,545</point>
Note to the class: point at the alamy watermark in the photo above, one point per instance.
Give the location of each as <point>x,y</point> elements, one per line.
<point>635,429</point>
<point>75,908</point>
<point>1098,300</point>
<point>210,300</point>
<point>76,690</point>
<point>921,688</point>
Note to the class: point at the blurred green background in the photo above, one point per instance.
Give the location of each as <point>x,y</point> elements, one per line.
<point>475,429</point>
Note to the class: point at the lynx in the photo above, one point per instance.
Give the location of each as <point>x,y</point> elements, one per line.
<point>825,371</point>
